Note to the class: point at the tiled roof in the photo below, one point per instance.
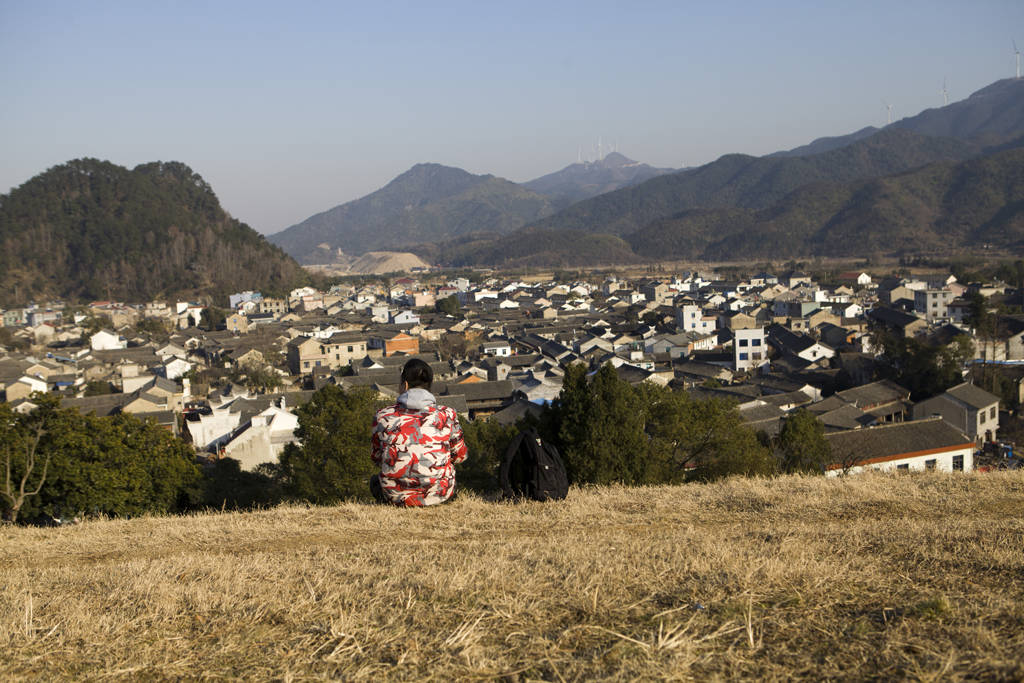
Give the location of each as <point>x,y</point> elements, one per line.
<point>972,395</point>
<point>870,395</point>
<point>889,442</point>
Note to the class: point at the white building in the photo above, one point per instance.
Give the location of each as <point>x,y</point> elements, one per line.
<point>749,349</point>
<point>105,340</point>
<point>931,444</point>
<point>262,439</point>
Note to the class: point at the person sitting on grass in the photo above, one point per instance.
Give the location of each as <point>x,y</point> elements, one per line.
<point>416,443</point>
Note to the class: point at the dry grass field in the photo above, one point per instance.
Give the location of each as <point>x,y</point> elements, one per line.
<point>871,577</point>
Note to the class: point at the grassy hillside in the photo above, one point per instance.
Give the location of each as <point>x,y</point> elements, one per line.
<point>868,577</point>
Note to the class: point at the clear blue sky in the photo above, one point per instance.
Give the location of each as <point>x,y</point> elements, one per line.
<point>288,109</point>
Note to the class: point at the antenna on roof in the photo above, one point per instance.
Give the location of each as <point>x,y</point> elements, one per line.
<point>579,155</point>
<point>944,93</point>
<point>600,149</point>
<point>889,109</point>
<point>1016,54</point>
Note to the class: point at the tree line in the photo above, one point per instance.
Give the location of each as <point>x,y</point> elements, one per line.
<point>607,430</point>
<point>59,464</point>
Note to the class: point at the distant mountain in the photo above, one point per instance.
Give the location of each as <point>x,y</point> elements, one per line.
<point>827,144</point>
<point>938,208</point>
<point>427,203</point>
<point>447,214</point>
<point>742,181</point>
<point>990,117</point>
<point>588,179</point>
<point>531,247</point>
<point>90,229</point>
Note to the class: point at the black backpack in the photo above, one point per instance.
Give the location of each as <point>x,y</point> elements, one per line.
<point>533,469</point>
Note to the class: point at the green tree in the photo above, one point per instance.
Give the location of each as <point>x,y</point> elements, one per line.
<point>802,445</point>
<point>98,387</point>
<point>486,443</point>
<point>155,328</point>
<point>94,323</point>
<point>227,486</point>
<point>601,428</point>
<point>449,306</point>
<point>333,461</point>
<point>213,318</point>
<point>118,465</point>
<point>260,379</point>
<point>567,420</point>
<point>701,440</point>
<point>925,369</point>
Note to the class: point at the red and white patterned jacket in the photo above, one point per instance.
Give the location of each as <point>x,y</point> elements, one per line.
<point>416,443</point>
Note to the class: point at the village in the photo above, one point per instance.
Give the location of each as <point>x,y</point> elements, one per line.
<point>499,347</point>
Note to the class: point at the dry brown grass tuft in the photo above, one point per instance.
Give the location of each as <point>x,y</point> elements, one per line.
<point>913,577</point>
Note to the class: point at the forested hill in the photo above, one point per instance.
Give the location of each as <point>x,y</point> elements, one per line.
<point>90,229</point>
<point>429,202</point>
<point>741,181</point>
<point>941,207</point>
<point>937,208</point>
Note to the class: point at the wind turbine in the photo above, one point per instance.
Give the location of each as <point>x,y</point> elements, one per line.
<point>889,109</point>
<point>944,93</point>
<point>1016,54</point>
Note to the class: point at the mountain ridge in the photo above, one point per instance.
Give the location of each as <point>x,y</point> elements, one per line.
<point>428,202</point>
<point>586,179</point>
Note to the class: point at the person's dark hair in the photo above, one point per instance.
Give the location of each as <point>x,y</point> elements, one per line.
<point>417,374</point>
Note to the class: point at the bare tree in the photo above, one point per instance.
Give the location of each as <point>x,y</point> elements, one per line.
<point>16,491</point>
<point>848,460</point>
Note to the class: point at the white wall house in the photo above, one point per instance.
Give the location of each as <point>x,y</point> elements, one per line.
<point>497,349</point>
<point>923,445</point>
<point>105,340</point>
<point>262,439</point>
<point>749,349</point>
<point>210,430</point>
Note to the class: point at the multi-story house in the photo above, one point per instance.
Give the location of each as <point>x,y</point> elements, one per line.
<point>749,349</point>
<point>932,303</point>
<point>970,409</point>
<point>306,354</point>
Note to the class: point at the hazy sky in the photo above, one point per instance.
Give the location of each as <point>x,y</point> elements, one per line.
<point>288,109</point>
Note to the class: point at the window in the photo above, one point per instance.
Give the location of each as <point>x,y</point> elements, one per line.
<point>743,356</point>
<point>929,464</point>
<point>905,467</point>
<point>318,364</point>
<point>350,348</point>
<point>992,412</point>
<point>755,342</point>
<point>756,355</point>
<point>981,420</point>
<point>337,356</point>
<point>306,364</point>
<point>958,463</point>
<point>743,342</point>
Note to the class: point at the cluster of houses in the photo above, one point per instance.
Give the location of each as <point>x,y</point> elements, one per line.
<point>499,349</point>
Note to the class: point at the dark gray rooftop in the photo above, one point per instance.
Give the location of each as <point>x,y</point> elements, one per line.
<point>888,442</point>
<point>972,395</point>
